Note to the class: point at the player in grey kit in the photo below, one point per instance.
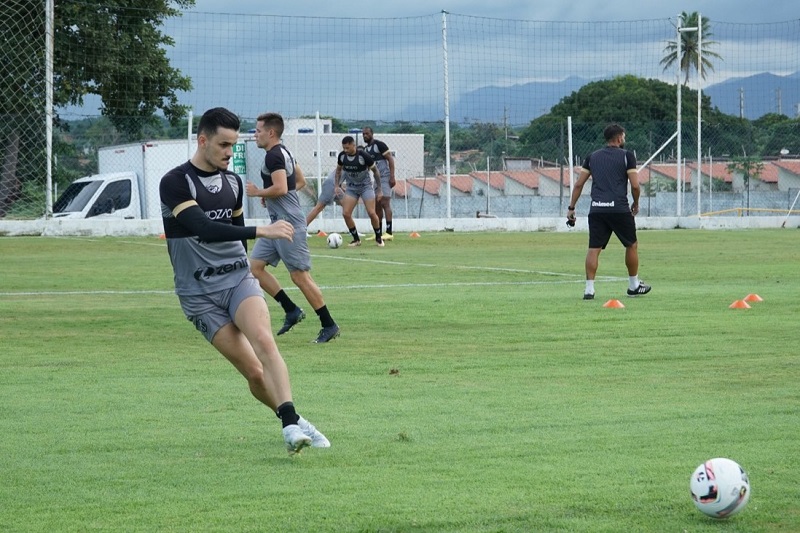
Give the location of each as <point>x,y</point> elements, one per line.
<point>384,160</point>
<point>201,205</point>
<point>354,165</point>
<point>612,168</point>
<point>281,176</point>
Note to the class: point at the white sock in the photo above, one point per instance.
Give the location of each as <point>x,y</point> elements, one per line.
<point>589,287</point>
<point>633,282</point>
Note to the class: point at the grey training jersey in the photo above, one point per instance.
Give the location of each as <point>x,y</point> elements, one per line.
<point>286,207</point>
<point>355,168</point>
<point>376,149</point>
<point>202,267</point>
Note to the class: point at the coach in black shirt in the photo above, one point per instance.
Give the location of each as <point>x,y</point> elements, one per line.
<point>611,169</point>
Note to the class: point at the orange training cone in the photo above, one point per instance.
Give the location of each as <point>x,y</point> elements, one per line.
<point>321,233</point>
<point>753,298</point>
<point>414,235</point>
<point>616,304</point>
<point>739,304</point>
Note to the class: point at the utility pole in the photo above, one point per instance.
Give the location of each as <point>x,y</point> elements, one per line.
<point>741,102</point>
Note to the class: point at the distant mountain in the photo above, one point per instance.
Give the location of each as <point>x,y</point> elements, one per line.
<point>517,104</point>
<point>757,95</point>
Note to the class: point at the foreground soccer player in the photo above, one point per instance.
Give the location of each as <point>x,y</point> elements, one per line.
<point>203,219</point>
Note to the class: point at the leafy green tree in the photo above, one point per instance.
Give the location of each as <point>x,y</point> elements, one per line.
<point>690,47</point>
<point>775,133</point>
<point>749,167</point>
<point>646,108</point>
<point>115,50</point>
<point>118,52</point>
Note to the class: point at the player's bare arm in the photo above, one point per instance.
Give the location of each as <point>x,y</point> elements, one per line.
<point>299,178</point>
<point>633,178</point>
<point>279,229</point>
<point>337,180</point>
<point>278,188</point>
<point>390,161</point>
<point>377,174</point>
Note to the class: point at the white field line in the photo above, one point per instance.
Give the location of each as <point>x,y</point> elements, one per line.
<point>323,287</point>
<point>576,278</point>
<point>463,267</point>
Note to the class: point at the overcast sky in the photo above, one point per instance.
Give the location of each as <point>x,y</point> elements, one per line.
<point>748,11</point>
<point>384,60</point>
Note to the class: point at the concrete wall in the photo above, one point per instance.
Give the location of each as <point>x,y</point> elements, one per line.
<point>328,224</point>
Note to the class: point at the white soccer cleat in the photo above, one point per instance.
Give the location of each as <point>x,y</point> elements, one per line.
<point>318,440</point>
<point>295,439</point>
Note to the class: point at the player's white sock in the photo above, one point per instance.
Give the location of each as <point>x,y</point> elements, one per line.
<point>633,282</point>
<point>589,287</point>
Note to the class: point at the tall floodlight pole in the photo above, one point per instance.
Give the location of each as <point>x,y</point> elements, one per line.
<point>317,128</point>
<point>680,112</point>
<point>48,112</point>
<point>570,163</point>
<point>678,169</point>
<point>446,111</point>
<point>699,109</point>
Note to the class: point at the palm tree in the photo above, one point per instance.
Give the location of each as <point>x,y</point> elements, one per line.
<point>689,48</point>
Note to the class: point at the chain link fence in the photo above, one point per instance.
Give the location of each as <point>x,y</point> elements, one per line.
<point>510,145</point>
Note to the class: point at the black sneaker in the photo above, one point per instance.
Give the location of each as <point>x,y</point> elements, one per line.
<point>588,296</point>
<point>641,290</point>
<point>327,334</point>
<point>292,319</point>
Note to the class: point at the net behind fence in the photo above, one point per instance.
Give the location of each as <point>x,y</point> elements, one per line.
<point>127,76</point>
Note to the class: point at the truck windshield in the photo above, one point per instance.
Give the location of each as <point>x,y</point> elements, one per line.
<point>77,195</point>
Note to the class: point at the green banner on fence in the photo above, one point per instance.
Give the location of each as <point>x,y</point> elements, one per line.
<point>239,159</point>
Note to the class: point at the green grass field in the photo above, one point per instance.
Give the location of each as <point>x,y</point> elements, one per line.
<point>472,389</point>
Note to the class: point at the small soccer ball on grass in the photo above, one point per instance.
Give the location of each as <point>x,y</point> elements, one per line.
<point>720,487</point>
<point>334,240</point>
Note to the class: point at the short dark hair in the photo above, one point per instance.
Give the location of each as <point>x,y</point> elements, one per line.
<point>612,130</point>
<point>366,128</point>
<point>216,118</point>
<point>348,140</point>
<point>272,121</point>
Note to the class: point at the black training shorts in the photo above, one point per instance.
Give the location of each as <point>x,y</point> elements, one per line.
<point>602,225</point>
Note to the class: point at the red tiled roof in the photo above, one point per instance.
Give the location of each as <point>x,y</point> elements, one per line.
<point>718,171</point>
<point>462,182</point>
<point>401,188</point>
<point>528,178</point>
<point>429,185</point>
<point>790,165</point>
<point>645,174</point>
<point>668,170</point>
<point>496,178</point>
<point>769,174</point>
<point>554,173</point>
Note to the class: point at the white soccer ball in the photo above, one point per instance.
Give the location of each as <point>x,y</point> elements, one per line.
<point>720,487</point>
<point>334,240</point>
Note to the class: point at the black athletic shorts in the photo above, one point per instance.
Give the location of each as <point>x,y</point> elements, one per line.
<point>602,225</point>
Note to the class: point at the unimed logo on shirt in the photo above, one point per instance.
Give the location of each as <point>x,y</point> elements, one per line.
<point>208,272</point>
